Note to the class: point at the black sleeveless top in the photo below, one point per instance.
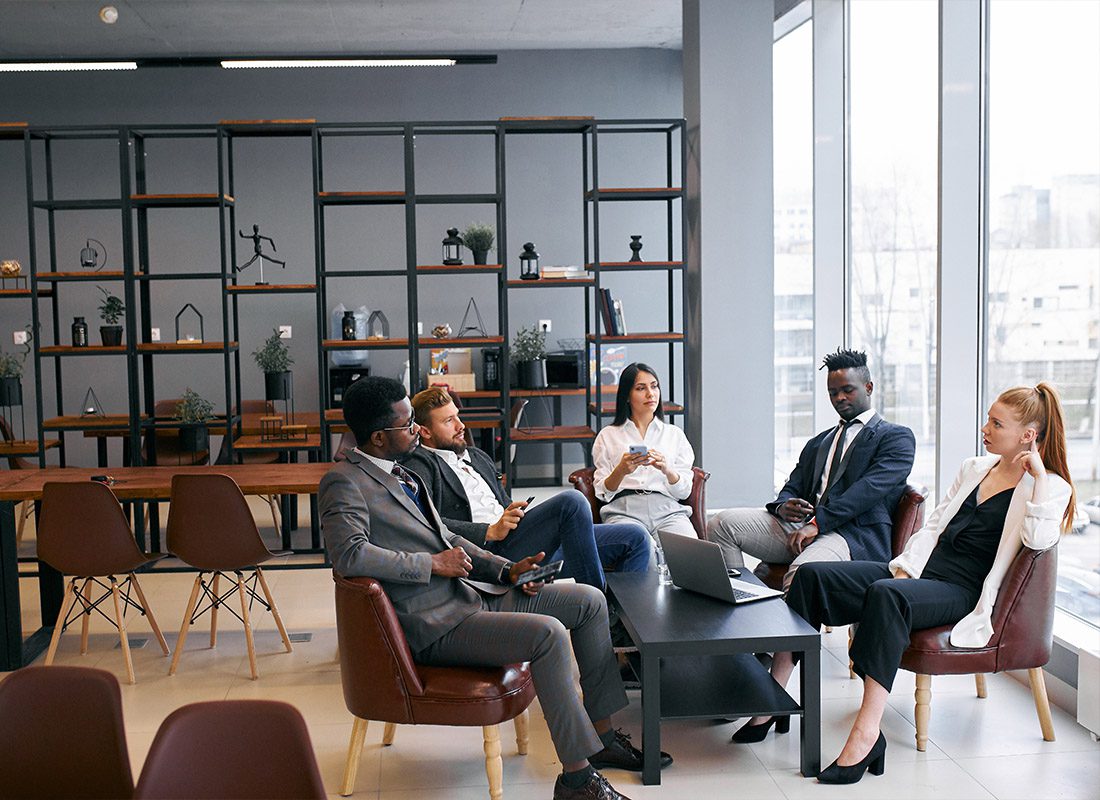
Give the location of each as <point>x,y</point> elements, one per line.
<point>967,547</point>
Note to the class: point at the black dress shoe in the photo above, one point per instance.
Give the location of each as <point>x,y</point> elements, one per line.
<point>750,734</point>
<point>875,761</point>
<point>596,788</point>
<point>621,754</point>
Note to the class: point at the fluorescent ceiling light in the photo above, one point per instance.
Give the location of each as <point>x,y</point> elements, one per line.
<point>338,62</point>
<point>66,66</point>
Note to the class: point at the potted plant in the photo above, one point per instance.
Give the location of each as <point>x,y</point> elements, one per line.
<point>528,353</point>
<point>478,237</point>
<point>193,412</point>
<point>274,360</point>
<point>111,310</point>
<point>11,374</point>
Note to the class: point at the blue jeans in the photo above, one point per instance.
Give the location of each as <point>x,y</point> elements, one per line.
<point>562,528</point>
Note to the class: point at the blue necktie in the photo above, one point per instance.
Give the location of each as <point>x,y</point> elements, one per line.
<point>411,487</point>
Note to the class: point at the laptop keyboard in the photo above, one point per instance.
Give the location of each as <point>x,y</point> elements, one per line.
<point>741,594</point>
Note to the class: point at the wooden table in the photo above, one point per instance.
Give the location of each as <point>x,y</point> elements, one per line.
<point>24,447</point>
<point>132,483</point>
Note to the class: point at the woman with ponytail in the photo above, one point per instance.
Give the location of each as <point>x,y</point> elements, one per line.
<point>1020,495</point>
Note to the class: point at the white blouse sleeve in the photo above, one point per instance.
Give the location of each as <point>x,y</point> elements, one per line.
<point>604,461</point>
<point>681,462</point>
<point>1042,525</point>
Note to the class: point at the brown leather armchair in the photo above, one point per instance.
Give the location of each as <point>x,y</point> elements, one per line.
<point>1023,633</point>
<point>582,480</point>
<point>382,682</point>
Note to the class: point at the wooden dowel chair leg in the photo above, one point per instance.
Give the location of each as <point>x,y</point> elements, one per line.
<point>214,604</point>
<point>149,614</point>
<point>494,767</point>
<point>923,710</point>
<point>274,609</point>
<point>388,733</point>
<point>66,603</point>
<point>979,684</point>
<point>522,736</point>
<point>1042,703</point>
<point>86,593</point>
<point>247,619</point>
<point>355,752</point>
<point>123,639</point>
<point>186,624</point>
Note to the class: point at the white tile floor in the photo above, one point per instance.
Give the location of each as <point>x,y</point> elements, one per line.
<point>988,748</point>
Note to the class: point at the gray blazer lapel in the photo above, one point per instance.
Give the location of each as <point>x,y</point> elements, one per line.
<point>393,487</point>
<point>819,463</point>
<point>865,438</point>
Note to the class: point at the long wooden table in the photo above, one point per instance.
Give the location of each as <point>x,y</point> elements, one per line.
<point>132,483</point>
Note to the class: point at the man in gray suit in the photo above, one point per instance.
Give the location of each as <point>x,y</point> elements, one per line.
<point>379,522</point>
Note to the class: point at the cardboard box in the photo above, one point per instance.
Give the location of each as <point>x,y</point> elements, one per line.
<point>457,381</point>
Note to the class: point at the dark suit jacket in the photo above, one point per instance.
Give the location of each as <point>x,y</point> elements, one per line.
<point>446,491</point>
<point>372,528</point>
<point>872,474</point>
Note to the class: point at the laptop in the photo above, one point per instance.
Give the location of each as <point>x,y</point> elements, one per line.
<point>698,566</point>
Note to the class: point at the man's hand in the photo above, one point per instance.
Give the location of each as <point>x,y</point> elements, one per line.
<point>453,563</point>
<point>507,522</point>
<point>526,565</point>
<point>899,573</point>
<point>795,510</point>
<point>801,538</point>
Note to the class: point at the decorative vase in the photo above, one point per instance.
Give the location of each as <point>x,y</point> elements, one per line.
<point>194,437</point>
<point>636,248</point>
<point>277,385</point>
<point>480,256</point>
<point>80,332</point>
<point>11,391</point>
<point>348,326</point>
<point>111,335</point>
<point>532,374</point>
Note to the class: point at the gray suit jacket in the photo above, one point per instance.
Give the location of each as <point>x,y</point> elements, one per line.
<point>372,528</point>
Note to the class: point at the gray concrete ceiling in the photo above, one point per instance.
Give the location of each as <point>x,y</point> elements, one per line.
<point>49,29</point>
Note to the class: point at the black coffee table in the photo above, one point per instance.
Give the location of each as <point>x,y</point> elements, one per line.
<point>697,661</point>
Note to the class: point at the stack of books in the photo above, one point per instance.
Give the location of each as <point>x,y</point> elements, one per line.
<point>612,312</point>
<point>566,272</point>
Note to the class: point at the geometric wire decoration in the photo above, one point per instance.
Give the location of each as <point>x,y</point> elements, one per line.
<point>188,337</point>
<point>478,329</point>
<point>91,406</point>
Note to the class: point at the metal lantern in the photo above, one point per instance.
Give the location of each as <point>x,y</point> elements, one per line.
<point>188,335</point>
<point>378,327</point>
<point>452,248</point>
<point>529,263</point>
<point>89,256</point>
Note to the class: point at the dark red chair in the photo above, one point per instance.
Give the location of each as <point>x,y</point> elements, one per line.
<point>63,735</point>
<point>582,480</point>
<point>231,750</point>
<point>382,682</point>
<point>1023,634</point>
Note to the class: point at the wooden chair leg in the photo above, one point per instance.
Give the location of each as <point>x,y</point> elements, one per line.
<point>25,509</point>
<point>1042,703</point>
<point>979,684</point>
<point>494,767</point>
<point>274,609</point>
<point>66,603</point>
<point>388,733</point>
<point>355,751</point>
<point>272,503</point>
<point>86,593</point>
<point>522,737</point>
<point>124,640</point>
<point>186,624</point>
<point>923,710</point>
<point>214,604</point>
<point>247,626</point>
<point>149,614</point>
<point>851,636</point>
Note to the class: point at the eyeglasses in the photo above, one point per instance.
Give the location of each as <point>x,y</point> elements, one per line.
<point>410,427</point>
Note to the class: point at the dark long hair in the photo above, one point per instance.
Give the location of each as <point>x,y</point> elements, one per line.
<point>626,384</point>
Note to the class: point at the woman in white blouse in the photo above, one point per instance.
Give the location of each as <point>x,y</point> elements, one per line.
<point>647,485</point>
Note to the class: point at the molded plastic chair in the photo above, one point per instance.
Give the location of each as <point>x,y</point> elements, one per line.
<point>231,750</point>
<point>381,682</point>
<point>582,480</point>
<point>1023,634</point>
<point>63,735</point>
<point>83,532</point>
<point>211,528</point>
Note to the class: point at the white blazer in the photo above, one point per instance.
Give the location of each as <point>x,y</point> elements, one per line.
<point>1027,524</point>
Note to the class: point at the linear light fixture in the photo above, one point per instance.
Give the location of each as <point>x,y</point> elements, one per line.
<point>66,66</point>
<point>269,63</point>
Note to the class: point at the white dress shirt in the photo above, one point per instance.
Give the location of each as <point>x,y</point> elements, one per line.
<point>484,506</point>
<point>381,463</point>
<point>667,439</point>
<point>855,427</point>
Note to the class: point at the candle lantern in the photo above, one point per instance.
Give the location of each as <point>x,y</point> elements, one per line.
<point>452,244</point>
<point>529,263</point>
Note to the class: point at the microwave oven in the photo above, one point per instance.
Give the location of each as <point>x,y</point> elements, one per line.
<point>565,369</point>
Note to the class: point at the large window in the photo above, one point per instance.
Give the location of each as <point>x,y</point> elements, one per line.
<point>792,103</point>
<point>1043,279</point>
<point>892,287</point>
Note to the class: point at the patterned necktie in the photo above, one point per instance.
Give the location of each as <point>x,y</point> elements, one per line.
<point>411,487</point>
<point>838,454</point>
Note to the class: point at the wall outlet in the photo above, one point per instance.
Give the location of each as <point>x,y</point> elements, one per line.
<point>154,334</point>
<point>20,337</point>
<point>420,329</point>
<point>545,325</point>
<point>284,331</point>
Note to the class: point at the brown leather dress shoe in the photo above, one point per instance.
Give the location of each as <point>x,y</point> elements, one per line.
<point>596,788</point>
<point>621,754</point>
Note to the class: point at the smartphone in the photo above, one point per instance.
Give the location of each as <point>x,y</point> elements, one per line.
<point>540,573</point>
<point>733,572</point>
<point>530,500</point>
<point>638,450</point>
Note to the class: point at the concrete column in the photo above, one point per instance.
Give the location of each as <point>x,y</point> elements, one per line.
<point>730,247</point>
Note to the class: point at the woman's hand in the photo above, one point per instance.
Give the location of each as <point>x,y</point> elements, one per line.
<point>657,459</point>
<point>631,461</point>
<point>1032,462</point>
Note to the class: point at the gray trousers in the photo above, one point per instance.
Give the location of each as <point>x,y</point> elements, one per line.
<point>516,627</point>
<point>654,512</point>
<point>762,535</point>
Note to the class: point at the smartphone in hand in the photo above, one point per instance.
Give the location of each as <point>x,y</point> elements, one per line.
<point>541,573</point>
<point>638,450</point>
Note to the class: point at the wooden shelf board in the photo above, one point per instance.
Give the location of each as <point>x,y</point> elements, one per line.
<point>353,198</point>
<point>640,338</point>
<point>545,283</point>
<point>482,394</point>
<point>553,433</point>
<point>43,291</point>
<point>608,409</point>
<point>635,193</point>
<point>183,347</point>
<point>641,266</point>
<point>443,268</point>
<point>75,422</point>
<point>363,344</point>
<point>90,350</point>
<point>273,288</point>
<point>460,341</point>
<point>87,275</point>
<point>25,447</point>
<point>180,200</point>
<point>254,443</point>
<point>108,203</point>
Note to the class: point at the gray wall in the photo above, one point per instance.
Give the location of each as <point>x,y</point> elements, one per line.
<point>274,189</point>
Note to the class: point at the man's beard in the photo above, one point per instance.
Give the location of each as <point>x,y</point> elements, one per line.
<point>456,446</point>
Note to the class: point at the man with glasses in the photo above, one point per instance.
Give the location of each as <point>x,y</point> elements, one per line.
<point>379,522</point>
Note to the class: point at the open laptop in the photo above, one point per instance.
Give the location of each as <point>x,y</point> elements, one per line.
<point>698,566</point>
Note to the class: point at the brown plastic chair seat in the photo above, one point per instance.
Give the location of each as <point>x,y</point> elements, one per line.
<point>63,735</point>
<point>583,482</point>
<point>231,750</point>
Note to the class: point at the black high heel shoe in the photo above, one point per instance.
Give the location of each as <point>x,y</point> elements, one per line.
<point>750,734</point>
<point>875,762</point>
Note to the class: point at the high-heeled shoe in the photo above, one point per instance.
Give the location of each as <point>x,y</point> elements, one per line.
<point>875,762</point>
<point>750,734</point>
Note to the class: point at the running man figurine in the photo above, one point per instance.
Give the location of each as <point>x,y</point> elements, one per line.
<point>257,253</point>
